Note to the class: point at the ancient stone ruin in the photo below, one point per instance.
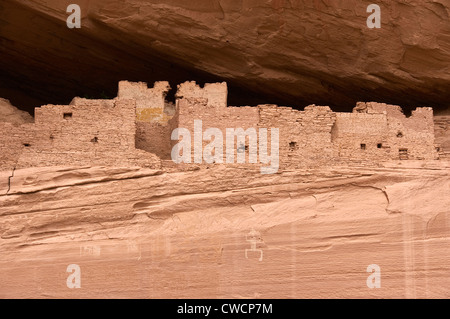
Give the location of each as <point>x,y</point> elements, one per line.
<point>135,129</point>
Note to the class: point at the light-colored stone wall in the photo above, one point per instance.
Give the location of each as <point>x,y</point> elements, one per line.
<point>85,133</point>
<point>151,106</point>
<point>305,136</point>
<point>442,135</point>
<point>361,137</point>
<point>131,129</point>
<point>215,116</point>
<point>418,135</point>
<point>154,138</point>
<point>216,94</point>
<point>317,136</point>
<point>15,139</point>
<point>401,137</point>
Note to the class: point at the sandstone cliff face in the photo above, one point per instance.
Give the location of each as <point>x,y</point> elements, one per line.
<point>295,52</point>
<point>10,114</point>
<point>148,234</point>
<point>221,232</point>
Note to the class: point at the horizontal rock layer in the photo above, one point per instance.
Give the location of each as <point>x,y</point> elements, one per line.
<point>149,234</point>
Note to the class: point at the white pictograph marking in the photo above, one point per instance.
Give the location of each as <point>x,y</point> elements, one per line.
<point>254,238</point>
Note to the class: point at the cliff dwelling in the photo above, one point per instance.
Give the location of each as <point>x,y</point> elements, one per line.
<point>244,150</point>
<point>135,129</point>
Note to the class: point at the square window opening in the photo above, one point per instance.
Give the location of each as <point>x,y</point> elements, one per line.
<point>292,145</point>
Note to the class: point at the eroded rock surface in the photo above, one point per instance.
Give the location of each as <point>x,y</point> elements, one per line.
<point>148,234</point>
<point>11,114</point>
<point>219,232</point>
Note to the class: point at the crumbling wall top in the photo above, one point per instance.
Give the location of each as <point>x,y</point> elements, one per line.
<point>78,102</point>
<point>215,93</point>
<point>393,111</point>
<point>318,109</point>
<point>140,90</point>
<point>150,102</point>
<point>378,108</point>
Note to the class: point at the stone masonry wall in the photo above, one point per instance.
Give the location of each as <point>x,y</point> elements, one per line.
<point>215,116</point>
<point>373,133</point>
<point>153,114</point>
<point>154,138</point>
<point>442,135</point>
<point>378,132</point>
<point>151,106</point>
<point>408,137</point>
<point>15,139</point>
<point>359,137</point>
<point>304,136</point>
<point>87,132</point>
<point>418,135</point>
<point>107,132</point>
<point>216,94</point>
